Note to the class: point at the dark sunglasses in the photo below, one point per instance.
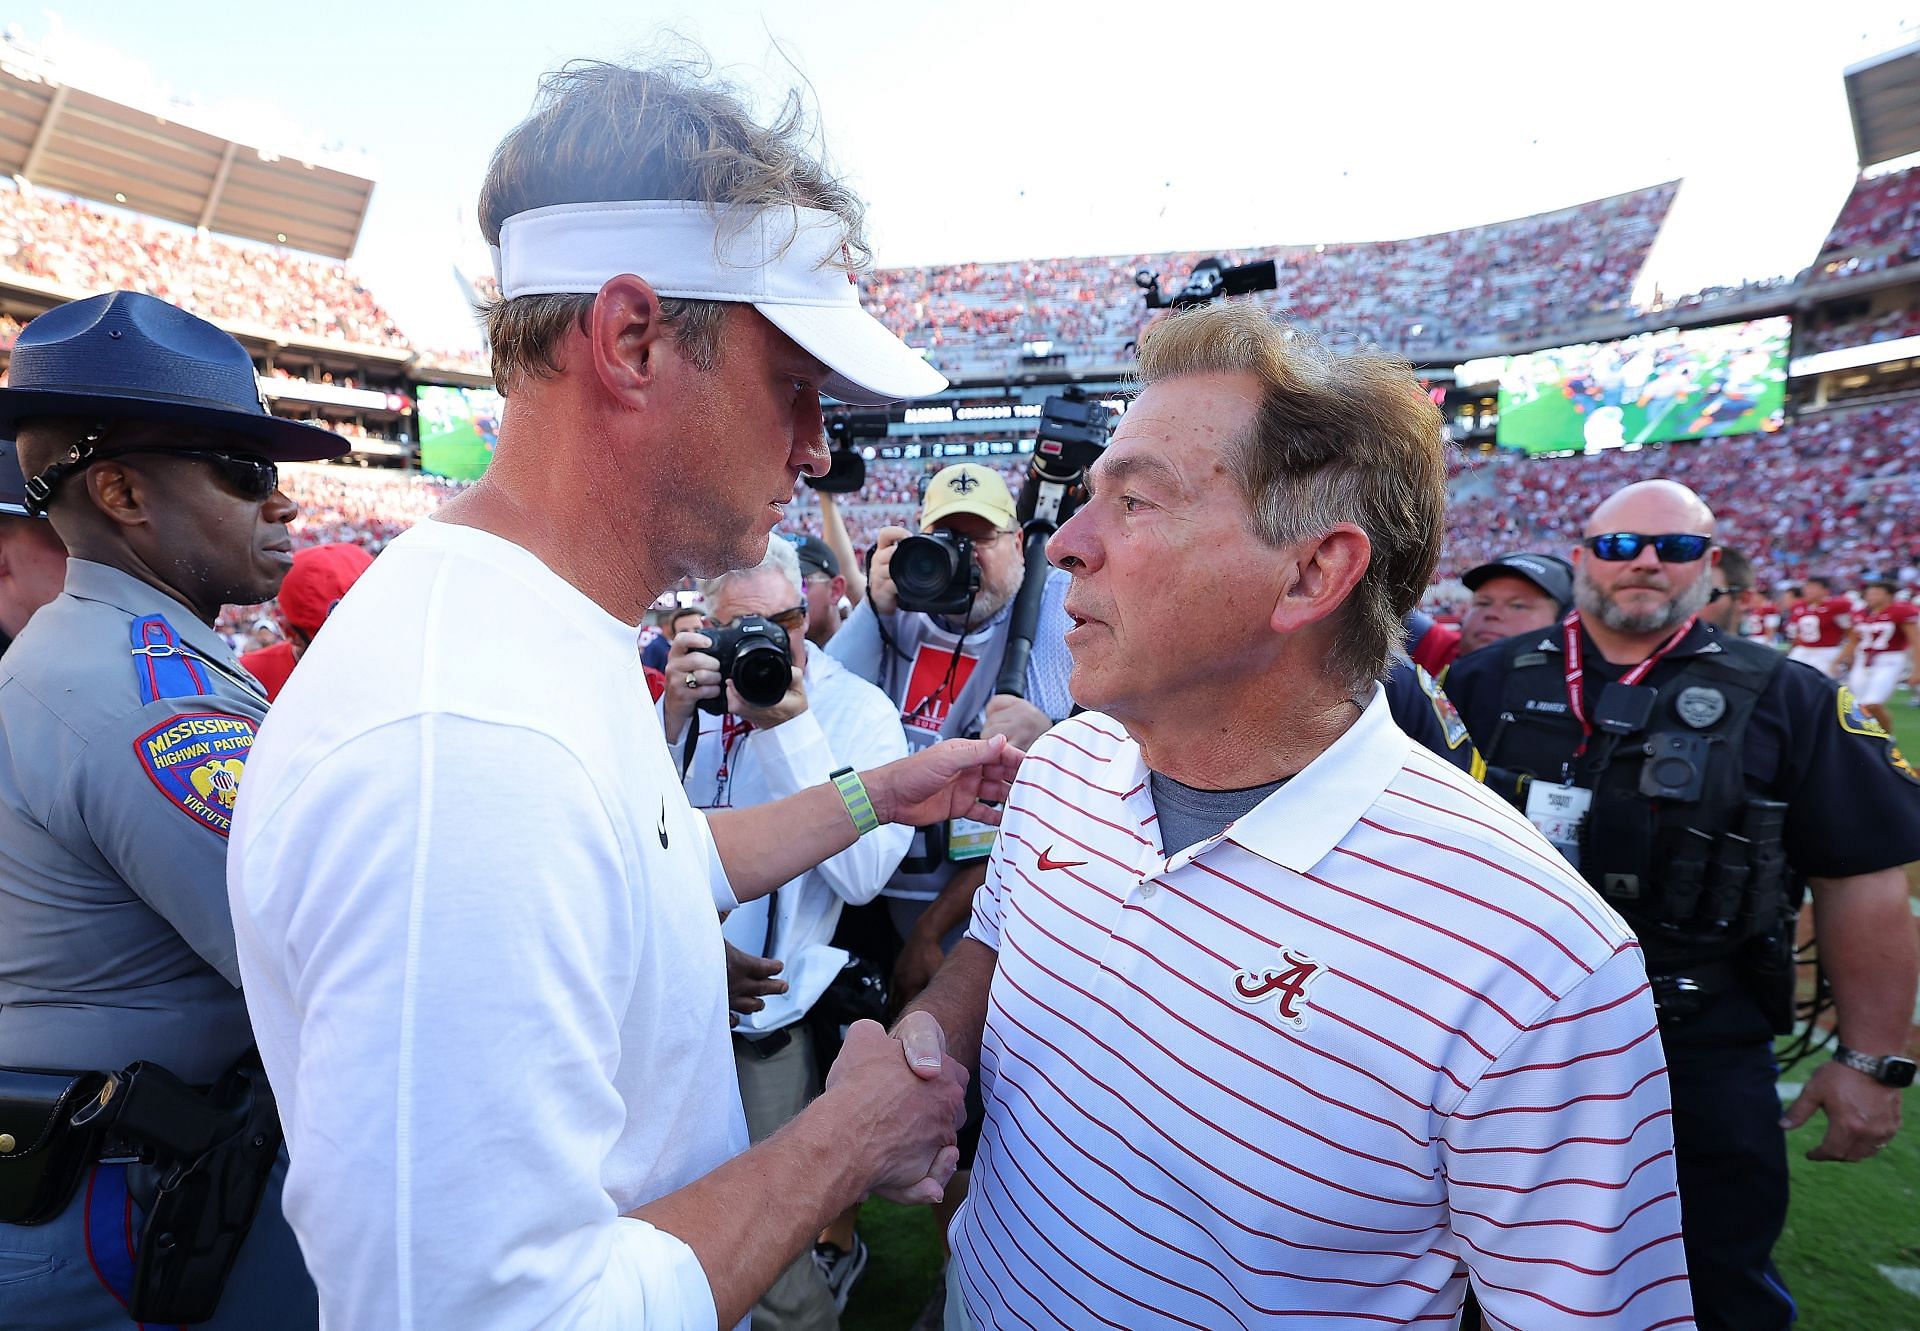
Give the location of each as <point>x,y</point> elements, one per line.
<point>248,477</point>
<point>1617,547</point>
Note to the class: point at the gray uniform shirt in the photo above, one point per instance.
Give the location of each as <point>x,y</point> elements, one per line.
<point>115,939</point>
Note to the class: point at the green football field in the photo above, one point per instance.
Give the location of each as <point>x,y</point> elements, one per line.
<point>1851,1252</point>
<point>459,454</point>
<point>1546,419</point>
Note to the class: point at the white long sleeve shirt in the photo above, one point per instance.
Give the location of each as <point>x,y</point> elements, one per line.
<point>848,723</point>
<point>477,927</point>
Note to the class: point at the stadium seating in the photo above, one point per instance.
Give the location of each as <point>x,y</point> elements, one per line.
<point>1878,228</point>
<point>1833,492</point>
<point>1859,332</point>
<point>1507,281</point>
<point>85,249</point>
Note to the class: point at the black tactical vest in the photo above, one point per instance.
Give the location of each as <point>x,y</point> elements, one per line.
<point>1672,839</point>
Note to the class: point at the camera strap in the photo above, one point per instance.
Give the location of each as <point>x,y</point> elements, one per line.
<point>1576,671</point>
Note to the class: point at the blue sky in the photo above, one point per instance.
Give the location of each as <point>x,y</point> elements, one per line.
<point>999,129</point>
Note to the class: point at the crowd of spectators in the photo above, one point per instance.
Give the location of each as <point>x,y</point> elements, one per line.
<point>1513,280</point>
<point>1858,332</point>
<point>1836,491</point>
<point>87,249</point>
<point>1878,228</point>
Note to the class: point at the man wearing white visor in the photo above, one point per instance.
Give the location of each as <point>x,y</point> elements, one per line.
<point>476,916</point>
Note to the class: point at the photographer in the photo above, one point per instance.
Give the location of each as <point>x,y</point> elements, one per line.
<point>734,754</point>
<point>940,668</point>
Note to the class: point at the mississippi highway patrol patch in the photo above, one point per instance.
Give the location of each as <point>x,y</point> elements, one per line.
<point>196,760</point>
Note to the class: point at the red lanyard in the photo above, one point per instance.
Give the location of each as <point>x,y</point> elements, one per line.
<point>732,731</point>
<point>1576,670</point>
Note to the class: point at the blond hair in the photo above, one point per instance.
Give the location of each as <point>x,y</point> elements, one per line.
<point>602,132</point>
<point>1334,439</point>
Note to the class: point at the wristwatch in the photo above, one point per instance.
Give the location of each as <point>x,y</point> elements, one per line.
<point>1889,1069</point>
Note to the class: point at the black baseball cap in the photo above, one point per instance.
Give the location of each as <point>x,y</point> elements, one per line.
<point>816,556</point>
<point>1550,573</point>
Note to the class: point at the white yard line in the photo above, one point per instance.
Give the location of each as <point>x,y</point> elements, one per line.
<point>1904,1277</point>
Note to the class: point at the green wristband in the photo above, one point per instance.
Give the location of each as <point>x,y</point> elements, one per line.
<point>853,793</point>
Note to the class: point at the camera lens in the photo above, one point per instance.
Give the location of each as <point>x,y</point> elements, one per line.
<point>924,568</point>
<point>762,670</point>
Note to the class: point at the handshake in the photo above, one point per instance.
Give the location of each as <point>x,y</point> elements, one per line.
<point>894,1106</point>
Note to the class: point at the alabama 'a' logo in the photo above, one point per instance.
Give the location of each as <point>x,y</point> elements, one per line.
<point>1285,986</point>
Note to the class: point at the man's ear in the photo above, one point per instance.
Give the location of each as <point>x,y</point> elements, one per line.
<point>838,587</point>
<point>625,333</point>
<point>1320,577</point>
<point>121,492</point>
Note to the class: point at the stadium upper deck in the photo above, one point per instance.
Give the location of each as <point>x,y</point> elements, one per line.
<point>1878,228</point>
<point>1527,279</point>
<point>81,249</point>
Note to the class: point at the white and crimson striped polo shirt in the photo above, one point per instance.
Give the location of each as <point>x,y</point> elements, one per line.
<point>1311,1073</point>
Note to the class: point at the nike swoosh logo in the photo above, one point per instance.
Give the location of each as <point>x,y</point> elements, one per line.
<point>663,824</point>
<point>1048,862</point>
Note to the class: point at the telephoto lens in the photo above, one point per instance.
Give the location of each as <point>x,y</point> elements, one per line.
<point>753,654</point>
<point>935,573</point>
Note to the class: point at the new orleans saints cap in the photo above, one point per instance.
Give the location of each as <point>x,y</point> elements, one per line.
<point>967,487</point>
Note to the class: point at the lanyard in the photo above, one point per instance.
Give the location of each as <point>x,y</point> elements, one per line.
<point>733,731</point>
<point>1576,670</point>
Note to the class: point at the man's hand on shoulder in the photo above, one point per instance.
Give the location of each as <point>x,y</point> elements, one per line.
<point>1016,718</point>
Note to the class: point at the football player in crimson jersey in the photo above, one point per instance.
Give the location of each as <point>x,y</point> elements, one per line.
<point>1818,625</point>
<point>1882,648</point>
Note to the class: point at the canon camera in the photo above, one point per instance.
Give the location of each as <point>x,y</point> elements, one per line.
<point>936,573</point>
<point>755,658</point>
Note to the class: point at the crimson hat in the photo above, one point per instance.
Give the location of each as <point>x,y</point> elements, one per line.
<point>320,576</point>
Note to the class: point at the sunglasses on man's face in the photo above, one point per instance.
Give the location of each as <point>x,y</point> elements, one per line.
<point>250,478</point>
<point>1616,547</point>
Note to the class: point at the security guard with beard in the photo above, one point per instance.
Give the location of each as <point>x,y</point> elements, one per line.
<point>140,1169</point>
<point>1699,782</point>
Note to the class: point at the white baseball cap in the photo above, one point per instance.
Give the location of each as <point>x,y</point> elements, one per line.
<point>789,263</point>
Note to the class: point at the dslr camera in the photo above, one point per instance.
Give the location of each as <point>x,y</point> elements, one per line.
<point>936,573</point>
<point>754,656</point>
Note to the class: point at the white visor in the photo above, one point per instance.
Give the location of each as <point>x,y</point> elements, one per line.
<point>785,262</point>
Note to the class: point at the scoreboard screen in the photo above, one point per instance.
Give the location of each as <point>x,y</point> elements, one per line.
<point>1650,388</point>
<point>458,429</point>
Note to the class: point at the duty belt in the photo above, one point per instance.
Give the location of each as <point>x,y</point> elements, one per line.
<point>1684,993</point>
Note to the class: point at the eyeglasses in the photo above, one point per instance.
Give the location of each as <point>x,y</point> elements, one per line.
<point>786,620</point>
<point>249,477</point>
<point>1616,547</point>
<point>1720,592</point>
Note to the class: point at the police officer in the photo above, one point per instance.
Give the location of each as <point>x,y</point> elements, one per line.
<point>33,563</point>
<point>125,724</point>
<point>1696,780</point>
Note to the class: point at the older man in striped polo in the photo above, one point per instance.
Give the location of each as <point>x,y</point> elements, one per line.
<point>1281,1020</point>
